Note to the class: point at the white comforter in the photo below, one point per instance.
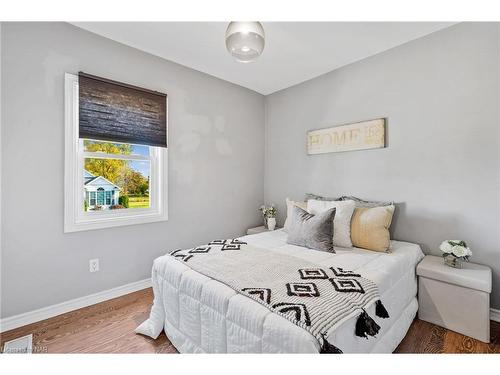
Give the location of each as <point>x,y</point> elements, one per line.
<point>202,315</point>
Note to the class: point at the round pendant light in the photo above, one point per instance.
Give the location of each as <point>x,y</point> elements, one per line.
<point>245,40</point>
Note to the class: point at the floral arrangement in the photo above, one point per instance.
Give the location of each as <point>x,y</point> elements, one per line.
<point>268,211</point>
<point>455,248</point>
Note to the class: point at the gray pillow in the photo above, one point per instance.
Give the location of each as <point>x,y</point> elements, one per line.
<point>312,231</point>
<point>319,197</point>
<point>363,203</point>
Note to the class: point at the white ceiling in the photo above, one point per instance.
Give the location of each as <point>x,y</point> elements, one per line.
<point>294,51</point>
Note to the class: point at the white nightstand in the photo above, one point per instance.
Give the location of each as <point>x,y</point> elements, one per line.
<point>457,299</point>
<point>258,230</point>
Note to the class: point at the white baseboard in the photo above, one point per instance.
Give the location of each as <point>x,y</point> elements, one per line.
<point>495,315</point>
<point>34,316</point>
<point>11,322</point>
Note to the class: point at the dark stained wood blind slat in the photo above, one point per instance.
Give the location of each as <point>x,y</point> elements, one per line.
<point>115,111</point>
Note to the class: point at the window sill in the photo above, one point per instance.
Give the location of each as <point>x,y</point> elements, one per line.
<point>108,221</point>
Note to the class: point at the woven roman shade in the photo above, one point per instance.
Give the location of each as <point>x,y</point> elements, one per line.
<point>118,112</point>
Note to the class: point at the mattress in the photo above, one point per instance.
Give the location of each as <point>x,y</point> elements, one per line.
<point>202,315</point>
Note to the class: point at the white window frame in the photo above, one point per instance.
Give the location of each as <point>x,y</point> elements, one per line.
<point>75,218</point>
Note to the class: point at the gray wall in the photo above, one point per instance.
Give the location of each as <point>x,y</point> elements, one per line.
<point>440,93</point>
<point>441,96</point>
<point>216,132</point>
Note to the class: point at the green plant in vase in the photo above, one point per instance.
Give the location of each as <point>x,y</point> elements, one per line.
<point>269,215</point>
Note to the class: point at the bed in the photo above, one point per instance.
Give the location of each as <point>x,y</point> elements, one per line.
<point>202,315</point>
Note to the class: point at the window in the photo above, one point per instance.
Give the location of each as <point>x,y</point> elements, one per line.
<point>108,198</point>
<point>92,198</point>
<point>116,170</point>
<point>109,183</point>
<point>100,196</point>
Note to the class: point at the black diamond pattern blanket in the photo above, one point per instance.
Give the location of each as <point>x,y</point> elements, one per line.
<point>315,298</point>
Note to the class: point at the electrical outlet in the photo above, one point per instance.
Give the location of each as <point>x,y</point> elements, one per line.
<point>94,265</point>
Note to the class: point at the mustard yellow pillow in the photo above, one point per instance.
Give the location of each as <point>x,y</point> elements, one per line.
<point>370,227</point>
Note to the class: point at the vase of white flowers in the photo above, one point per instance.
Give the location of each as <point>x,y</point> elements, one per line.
<point>271,223</point>
<point>269,215</point>
<point>455,252</point>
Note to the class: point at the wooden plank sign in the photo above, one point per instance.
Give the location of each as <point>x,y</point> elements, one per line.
<point>357,136</point>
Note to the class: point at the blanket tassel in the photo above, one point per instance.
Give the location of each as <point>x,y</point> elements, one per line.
<point>380,310</point>
<point>365,325</point>
<point>327,348</point>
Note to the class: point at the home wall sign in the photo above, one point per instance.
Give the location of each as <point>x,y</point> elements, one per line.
<point>363,135</point>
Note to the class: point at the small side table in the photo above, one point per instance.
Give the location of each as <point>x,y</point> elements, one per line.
<point>259,230</point>
<point>456,299</point>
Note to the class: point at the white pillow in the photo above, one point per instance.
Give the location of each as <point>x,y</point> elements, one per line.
<point>289,206</point>
<point>341,221</point>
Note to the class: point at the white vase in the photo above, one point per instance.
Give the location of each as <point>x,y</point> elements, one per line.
<point>271,223</point>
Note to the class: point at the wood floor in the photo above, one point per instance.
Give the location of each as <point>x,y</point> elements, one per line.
<point>108,327</point>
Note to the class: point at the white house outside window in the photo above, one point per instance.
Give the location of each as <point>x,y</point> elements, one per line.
<point>110,183</point>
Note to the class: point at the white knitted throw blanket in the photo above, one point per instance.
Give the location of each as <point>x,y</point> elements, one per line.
<point>315,298</point>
